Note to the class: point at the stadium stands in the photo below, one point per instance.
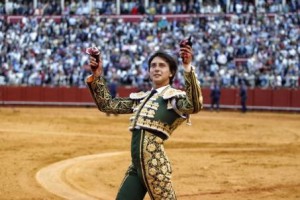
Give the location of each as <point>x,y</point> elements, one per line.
<point>44,44</point>
<point>112,7</point>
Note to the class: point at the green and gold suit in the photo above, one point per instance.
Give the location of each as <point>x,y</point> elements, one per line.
<point>154,118</point>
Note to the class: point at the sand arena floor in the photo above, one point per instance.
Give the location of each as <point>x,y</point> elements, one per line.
<point>80,153</point>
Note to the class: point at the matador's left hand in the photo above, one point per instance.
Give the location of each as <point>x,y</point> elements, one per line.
<point>186,54</point>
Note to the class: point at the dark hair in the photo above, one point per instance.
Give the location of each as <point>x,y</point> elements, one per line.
<point>169,59</point>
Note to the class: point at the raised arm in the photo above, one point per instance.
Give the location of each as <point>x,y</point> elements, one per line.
<point>193,102</point>
<point>99,91</point>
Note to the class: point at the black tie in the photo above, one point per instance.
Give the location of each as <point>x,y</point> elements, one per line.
<point>151,94</point>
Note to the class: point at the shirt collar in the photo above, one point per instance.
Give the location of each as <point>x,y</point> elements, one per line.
<point>159,90</point>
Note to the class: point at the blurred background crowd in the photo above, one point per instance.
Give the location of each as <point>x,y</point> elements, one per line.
<point>234,42</point>
<point>112,7</point>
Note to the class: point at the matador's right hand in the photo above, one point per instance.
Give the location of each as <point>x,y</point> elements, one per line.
<point>96,67</point>
<point>95,61</point>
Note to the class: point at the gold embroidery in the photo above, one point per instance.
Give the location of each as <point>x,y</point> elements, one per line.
<point>151,112</point>
<point>144,111</point>
<point>138,95</point>
<point>156,125</point>
<point>173,93</point>
<point>146,117</point>
<point>153,105</point>
<point>157,172</point>
<point>104,100</point>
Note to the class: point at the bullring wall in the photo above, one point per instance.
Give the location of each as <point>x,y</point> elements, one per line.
<point>258,99</point>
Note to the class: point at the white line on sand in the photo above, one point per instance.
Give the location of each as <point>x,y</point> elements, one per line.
<point>51,177</point>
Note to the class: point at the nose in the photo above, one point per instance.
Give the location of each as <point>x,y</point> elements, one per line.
<point>156,68</point>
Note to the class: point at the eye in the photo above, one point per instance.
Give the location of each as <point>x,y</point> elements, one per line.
<point>152,65</point>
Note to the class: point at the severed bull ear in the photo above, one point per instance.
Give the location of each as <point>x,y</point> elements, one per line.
<point>187,41</point>
<point>93,51</point>
<point>184,43</point>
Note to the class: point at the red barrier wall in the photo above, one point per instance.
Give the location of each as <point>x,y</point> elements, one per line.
<point>295,99</point>
<point>44,94</point>
<point>281,98</point>
<point>263,97</point>
<point>277,99</point>
<point>229,97</point>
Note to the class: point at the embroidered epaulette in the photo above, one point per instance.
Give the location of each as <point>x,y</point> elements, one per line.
<point>173,93</point>
<point>138,95</point>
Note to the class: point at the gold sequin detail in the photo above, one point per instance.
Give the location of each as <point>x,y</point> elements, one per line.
<point>157,168</point>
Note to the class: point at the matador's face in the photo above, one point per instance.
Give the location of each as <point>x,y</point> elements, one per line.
<point>160,72</point>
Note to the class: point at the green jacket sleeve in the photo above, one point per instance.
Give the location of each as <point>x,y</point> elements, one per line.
<point>193,101</point>
<point>105,102</point>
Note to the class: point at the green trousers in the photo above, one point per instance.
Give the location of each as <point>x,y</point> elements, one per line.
<point>150,170</point>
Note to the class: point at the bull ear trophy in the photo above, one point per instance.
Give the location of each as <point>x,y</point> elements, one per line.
<point>93,51</point>
<point>186,42</point>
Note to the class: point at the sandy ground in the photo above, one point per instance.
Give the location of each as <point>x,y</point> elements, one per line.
<point>80,153</point>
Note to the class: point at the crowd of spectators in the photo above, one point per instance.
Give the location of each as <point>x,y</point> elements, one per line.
<point>133,7</point>
<point>261,50</point>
